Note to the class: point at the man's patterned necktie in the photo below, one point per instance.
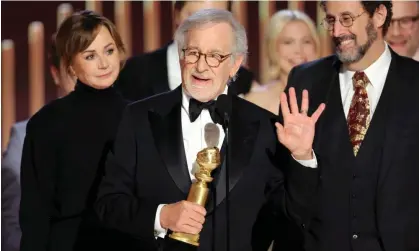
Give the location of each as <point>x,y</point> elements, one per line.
<point>359,113</point>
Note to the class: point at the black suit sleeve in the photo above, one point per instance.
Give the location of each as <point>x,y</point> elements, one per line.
<point>301,186</point>
<point>289,190</point>
<point>38,171</point>
<point>118,206</point>
<point>293,187</point>
<point>301,181</point>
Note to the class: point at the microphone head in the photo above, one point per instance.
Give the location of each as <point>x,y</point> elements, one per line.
<point>211,135</point>
<point>223,106</point>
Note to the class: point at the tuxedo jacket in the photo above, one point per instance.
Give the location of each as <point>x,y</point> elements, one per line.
<point>368,202</point>
<point>148,167</point>
<point>147,75</point>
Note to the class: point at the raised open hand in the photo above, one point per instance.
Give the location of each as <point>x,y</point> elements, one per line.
<point>297,133</point>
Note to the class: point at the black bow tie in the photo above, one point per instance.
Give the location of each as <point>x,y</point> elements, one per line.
<point>196,107</point>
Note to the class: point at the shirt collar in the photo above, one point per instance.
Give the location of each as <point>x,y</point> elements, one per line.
<point>173,51</point>
<point>374,71</point>
<point>416,56</point>
<point>173,66</point>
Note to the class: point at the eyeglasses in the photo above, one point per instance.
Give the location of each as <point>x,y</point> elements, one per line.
<point>404,22</point>
<point>346,20</point>
<point>213,59</point>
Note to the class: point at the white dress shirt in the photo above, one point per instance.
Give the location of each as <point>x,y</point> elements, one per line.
<point>416,56</point>
<point>173,66</point>
<point>376,73</point>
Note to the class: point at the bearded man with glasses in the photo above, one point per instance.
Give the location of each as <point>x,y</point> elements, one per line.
<point>367,140</point>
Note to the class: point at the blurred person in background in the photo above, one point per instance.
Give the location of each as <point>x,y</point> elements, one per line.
<point>291,39</point>
<point>67,140</point>
<point>159,71</point>
<point>10,166</point>
<point>403,34</point>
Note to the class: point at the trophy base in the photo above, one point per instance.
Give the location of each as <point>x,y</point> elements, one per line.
<point>191,239</point>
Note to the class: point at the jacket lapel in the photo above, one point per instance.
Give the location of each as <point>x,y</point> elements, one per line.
<point>333,121</point>
<point>167,132</point>
<point>243,132</point>
<point>242,139</point>
<point>381,115</point>
<point>395,104</point>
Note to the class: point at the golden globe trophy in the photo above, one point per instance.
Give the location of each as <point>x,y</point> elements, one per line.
<point>208,159</point>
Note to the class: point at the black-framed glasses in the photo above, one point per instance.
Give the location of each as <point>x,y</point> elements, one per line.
<point>346,20</point>
<point>213,59</point>
<point>404,22</point>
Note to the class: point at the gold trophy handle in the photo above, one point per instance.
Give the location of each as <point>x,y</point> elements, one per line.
<point>198,193</point>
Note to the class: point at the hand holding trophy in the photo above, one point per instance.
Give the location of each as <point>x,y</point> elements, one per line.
<point>208,159</point>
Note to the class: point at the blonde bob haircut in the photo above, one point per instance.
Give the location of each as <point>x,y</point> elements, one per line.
<point>276,24</point>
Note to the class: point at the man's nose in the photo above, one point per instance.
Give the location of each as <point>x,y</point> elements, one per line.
<point>201,64</point>
<point>394,28</point>
<point>338,29</point>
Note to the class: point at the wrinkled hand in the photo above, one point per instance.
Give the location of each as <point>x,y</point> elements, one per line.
<point>183,216</point>
<point>297,133</point>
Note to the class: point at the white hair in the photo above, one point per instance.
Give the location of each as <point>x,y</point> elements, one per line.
<point>213,16</point>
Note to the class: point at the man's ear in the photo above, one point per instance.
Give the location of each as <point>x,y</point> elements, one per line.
<point>379,17</point>
<point>238,60</point>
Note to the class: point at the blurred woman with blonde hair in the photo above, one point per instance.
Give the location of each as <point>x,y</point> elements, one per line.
<point>291,40</point>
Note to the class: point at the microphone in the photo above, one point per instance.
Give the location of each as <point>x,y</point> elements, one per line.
<point>212,138</point>
<point>211,134</point>
<point>223,108</point>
